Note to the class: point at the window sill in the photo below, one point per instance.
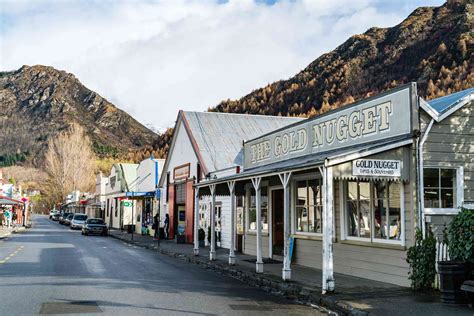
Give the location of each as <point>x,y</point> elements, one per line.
<point>308,237</point>
<point>441,211</point>
<point>373,244</point>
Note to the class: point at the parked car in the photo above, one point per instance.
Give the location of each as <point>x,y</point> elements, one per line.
<point>56,216</point>
<point>68,219</point>
<point>95,226</point>
<point>78,221</point>
<point>62,218</point>
<point>52,212</point>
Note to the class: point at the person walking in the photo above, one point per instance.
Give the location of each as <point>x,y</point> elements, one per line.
<point>1,218</point>
<point>167,226</point>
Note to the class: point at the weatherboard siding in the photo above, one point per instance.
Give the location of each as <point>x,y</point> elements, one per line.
<point>450,143</point>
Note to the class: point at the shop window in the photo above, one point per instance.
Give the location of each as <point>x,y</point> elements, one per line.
<point>309,206</point>
<point>439,187</point>
<point>373,210</point>
<point>252,214</point>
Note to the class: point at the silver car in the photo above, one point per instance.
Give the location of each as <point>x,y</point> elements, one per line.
<point>78,221</point>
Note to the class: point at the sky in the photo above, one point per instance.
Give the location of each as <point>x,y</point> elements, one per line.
<point>154,58</point>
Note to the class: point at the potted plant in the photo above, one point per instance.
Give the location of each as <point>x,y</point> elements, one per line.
<point>454,272</point>
<point>201,237</point>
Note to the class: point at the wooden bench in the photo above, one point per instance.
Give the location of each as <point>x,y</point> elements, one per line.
<point>468,288</point>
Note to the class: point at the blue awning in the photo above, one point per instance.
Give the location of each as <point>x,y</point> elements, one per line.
<point>143,194</point>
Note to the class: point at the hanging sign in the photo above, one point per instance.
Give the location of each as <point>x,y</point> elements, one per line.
<point>376,167</point>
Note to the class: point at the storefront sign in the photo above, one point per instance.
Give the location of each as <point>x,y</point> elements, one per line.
<point>181,172</point>
<point>383,117</point>
<point>376,167</point>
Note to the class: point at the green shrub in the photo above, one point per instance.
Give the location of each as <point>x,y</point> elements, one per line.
<point>461,236</point>
<point>421,258</point>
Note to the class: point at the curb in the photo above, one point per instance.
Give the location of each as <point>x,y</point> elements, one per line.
<point>15,231</point>
<point>272,284</point>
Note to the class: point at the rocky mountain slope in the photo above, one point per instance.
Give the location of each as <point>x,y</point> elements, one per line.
<point>37,102</point>
<point>433,46</point>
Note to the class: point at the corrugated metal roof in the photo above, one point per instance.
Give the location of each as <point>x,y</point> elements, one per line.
<point>219,136</point>
<point>443,104</point>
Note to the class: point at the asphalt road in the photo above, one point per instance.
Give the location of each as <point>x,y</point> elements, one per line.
<point>51,269</point>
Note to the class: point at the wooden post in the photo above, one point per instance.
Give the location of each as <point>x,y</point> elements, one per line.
<point>256,184</point>
<point>285,181</point>
<point>231,185</point>
<point>196,221</point>
<point>212,253</point>
<point>328,212</point>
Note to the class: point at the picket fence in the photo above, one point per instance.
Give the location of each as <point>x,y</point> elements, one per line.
<point>442,254</point>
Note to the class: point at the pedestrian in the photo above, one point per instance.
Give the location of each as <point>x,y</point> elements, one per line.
<point>167,226</point>
<point>156,226</point>
<point>1,218</point>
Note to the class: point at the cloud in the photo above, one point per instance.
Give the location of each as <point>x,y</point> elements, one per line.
<point>152,58</point>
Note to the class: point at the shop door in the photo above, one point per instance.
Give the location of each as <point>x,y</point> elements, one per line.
<point>277,220</point>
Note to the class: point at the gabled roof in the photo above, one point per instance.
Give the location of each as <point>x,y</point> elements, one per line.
<point>441,108</point>
<point>217,137</point>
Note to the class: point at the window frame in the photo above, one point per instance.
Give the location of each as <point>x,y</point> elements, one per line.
<point>458,190</point>
<point>294,192</point>
<point>247,203</point>
<point>370,240</point>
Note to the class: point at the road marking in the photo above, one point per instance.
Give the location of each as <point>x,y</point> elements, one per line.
<point>11,255</point>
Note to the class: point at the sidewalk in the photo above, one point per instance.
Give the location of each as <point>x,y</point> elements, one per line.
<point>354,296</point>
<point>5,231</point>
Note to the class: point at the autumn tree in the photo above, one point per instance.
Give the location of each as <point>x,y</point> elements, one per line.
<point>69,163</point>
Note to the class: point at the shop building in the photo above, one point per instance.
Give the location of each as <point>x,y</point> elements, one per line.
<point>206,145</point>
<point>119,208</point>
<point>344,192</point>
<point>145,194</point>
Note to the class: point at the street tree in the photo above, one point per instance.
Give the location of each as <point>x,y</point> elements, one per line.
<point>69,163</point>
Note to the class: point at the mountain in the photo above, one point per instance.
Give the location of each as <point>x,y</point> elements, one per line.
<point>38,102</point>
<point>433,47</point>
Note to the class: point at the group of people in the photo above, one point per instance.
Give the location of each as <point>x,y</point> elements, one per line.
<point>156,226</point>
<point>7,218</point>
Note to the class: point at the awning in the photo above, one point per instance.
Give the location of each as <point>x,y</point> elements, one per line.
<point>143,194</point>
<point>331,158</point>
<point>9,201</point>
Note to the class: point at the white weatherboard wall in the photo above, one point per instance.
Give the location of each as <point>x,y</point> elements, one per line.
<point>224,201</point>
<point>182,153</point>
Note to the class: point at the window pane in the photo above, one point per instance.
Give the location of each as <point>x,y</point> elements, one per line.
<point>395,220</point>
<point>352,190</point>
<point>448,178</point>
<point>431,197</point>
<point>265,218</point>
<point>318,219</point>
<point>302,219</point>
<point>364,221</point>
<point>364,190</point>
<point>380,190</point>
<point>352,219</point>
<point>431,177</point>
<point>447,198</point>
<point>380,219</point>
<point>301,193</point>
<point>252,218</point>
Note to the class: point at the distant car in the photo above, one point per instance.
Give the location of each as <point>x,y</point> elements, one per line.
<point>63,217</point>
<point>56,216</point>
<point>68,219</point>
<point>78,221</point>
<point>94,226</point>
<point>52,212</point>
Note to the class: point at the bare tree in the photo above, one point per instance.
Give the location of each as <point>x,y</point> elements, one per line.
<point>69,163</point>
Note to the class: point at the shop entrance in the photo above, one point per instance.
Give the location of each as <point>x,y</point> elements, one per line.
<point>277,221</point>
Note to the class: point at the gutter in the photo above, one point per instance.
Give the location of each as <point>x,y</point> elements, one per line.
<point>421,202</point>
